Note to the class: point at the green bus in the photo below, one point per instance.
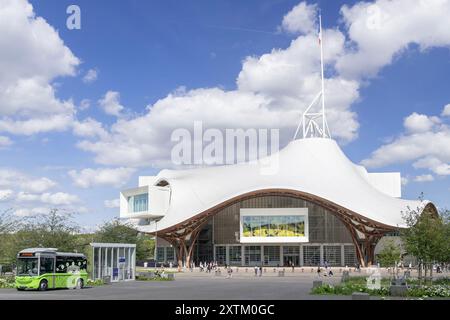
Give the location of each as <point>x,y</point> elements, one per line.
<point>45,268</point>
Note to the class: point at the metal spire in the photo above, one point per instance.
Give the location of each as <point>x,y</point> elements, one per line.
<point>312,128</point>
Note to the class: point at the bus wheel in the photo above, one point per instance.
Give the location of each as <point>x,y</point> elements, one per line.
<point>80,284</point>
<point>43,285</point>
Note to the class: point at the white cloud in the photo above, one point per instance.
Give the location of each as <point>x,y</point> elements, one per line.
<point>275,88</point>
<point>32,56</point>
<point>428,149</point>
<point>381,30</point>
<point>424,178</point>
<point>446,111</point>
<point>6,194</point>
<point>5,141</point>
<point>89,128</point>
<point>92,177</point>
<point>110,103</point>
<point>90,76</point>
<point>114,203</point>
<point>300,19</point>
<point>59,198</point>
<point>58,122</point>
<point>416,123</point>
<point>15,179</point>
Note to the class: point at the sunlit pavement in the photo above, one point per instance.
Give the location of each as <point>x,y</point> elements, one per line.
<point>195,285</point>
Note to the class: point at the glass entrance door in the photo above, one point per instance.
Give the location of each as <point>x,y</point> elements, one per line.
<point>289,260</point>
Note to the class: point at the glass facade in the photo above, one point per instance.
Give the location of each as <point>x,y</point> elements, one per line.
<point>138,203</point>
<point>324,226</point>
<point>252,255</point>
<point>160,257</point>
<point>235,255</point>
<point>329,238</point>
<point>221,255</point>
<point>273,226</point>
<point>170,254</point>
<point>332,255</point>
<point>311,255</point>
<point>271,255</point>
<point>350,256</point>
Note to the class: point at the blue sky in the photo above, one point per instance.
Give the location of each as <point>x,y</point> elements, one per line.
<point>142,51</point>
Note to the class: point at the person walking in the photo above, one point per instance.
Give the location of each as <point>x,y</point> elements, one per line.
<point>256,270</point>
<point>230,272</point>
<point>260,271</point>
<point>318,270</point>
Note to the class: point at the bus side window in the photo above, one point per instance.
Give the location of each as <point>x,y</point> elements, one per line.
<point>61,266</point>
<point>46,265</point>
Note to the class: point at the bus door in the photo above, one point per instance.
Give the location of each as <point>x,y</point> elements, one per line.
<point>47,268</point>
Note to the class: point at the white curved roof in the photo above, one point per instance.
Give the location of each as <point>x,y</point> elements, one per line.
<point>316,166</point>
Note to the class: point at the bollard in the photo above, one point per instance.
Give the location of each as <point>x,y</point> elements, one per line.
<point>302,269</point>
<point>281,273</point>
<point>274,270</point>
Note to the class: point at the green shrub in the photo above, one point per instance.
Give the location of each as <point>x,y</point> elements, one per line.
<point>156,278</point>
<point>429,291</point>
<point>7,282</point>
<point>348,288</point>
<point>94,283</point>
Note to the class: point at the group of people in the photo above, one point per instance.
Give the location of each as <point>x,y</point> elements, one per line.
<point>258,271</point>
<point>328,272</point>
<point>208,266</point>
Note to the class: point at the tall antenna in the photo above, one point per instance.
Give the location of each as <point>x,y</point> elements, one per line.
<point>311,127</point>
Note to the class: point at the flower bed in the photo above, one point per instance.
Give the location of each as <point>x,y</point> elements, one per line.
<point>440,288</point>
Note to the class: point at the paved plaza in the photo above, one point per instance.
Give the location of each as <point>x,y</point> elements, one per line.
<point>243,285</point>
<point>193,286</point>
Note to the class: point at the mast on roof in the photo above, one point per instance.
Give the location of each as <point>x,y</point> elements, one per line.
<point>315,124</point>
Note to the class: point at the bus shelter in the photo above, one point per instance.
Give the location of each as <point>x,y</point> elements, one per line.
<point>113,261</point>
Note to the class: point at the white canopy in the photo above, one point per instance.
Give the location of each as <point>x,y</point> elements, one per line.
<point>316,166</point>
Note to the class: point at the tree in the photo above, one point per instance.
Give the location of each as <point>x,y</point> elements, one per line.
<point>426,237</point>
<point>7,227</point>
<point>52,230</point>
<point>118,232</point>
<point>390,254</point>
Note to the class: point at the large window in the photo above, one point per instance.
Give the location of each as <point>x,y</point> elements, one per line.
<point>170,254</point>
<point>332,255</point>
<point>311,255</point>
<point>252,255</point>
<point>138,203</point>
<point>271,255</point>
<point>221,255</point>
<point>273,226</point>
<point>350,255</point>
<point>235,255</point>
<point>160,254</point>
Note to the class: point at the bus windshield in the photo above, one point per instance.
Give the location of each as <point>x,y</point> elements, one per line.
<point>27,267</point>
